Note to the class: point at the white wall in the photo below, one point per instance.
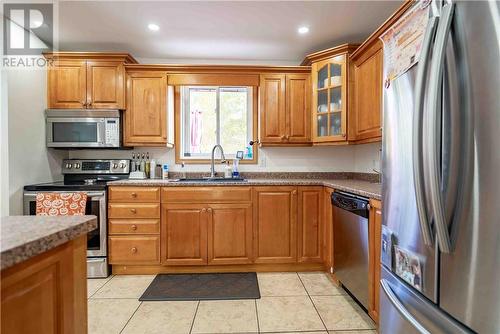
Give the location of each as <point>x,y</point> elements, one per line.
<point>355,158</point>
<point>4,147</point>
<point>367,157</point>
<point>29,160</point>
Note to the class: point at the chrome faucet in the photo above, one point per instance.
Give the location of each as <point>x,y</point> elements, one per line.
<point>223,160</point>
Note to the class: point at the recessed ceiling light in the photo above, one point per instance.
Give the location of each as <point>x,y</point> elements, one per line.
<point>303,30</point>
<point>153,27</point>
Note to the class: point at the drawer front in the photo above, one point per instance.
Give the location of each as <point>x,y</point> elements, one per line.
<point>205,194</point>
<point>134,194</point>
<point>134,250</point>
<point>133,210</point>
<point>134,226</point>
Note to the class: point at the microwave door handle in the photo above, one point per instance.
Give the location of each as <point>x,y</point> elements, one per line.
<point>420,88</point>
<point>439,50</point>
<point>101,130</point>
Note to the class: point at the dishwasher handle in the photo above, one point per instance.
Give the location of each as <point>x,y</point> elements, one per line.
<point>354,205</point>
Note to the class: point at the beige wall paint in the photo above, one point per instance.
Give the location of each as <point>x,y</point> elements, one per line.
<point>29,161</point>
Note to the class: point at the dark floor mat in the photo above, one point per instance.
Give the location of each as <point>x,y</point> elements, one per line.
<point>202,287</point>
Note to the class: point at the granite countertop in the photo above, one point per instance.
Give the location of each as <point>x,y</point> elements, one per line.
<point>23,237</point>
<point>355,186</point>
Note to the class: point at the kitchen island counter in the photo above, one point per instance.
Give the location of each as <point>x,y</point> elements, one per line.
<point>24,237</point>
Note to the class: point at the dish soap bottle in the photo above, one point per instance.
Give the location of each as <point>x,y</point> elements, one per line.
<point>236,173</point>
<point>228,171</point>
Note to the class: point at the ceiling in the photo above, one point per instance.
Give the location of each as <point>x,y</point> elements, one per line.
<point>263,32</point>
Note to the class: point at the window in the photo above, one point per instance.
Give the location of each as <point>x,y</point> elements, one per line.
<point>213,115</point>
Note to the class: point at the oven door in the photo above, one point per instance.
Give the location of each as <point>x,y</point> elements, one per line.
<point>96,205</point>
<point>76,132</point>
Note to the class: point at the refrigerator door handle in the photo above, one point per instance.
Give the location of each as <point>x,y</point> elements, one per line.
<point>442,34</point>
<point>400,307</point>
<point>420,88</point>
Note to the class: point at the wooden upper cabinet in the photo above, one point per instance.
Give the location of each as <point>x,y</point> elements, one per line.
<point>66,84</point>
<point>298,108</point>
<point>272,108</point>
<point>184,234</point>
<point>275,224</point>
<point>146,114</point>
<point>285,109</point>
<point>105,85</point>
<point>89,80</point>
<point>310,213</point>
<point>365,116</point>
<point>230,233</point>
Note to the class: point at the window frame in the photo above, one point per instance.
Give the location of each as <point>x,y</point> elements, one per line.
<point>181,123</point>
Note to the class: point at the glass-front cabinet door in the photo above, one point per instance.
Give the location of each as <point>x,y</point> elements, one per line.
<point>329,99</point>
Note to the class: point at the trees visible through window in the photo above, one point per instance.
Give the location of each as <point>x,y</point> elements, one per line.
<point>213,115</point>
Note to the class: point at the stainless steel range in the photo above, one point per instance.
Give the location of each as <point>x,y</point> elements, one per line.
<point>89,176</point>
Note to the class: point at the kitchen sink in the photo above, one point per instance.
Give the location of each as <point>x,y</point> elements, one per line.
<point>208,180</point>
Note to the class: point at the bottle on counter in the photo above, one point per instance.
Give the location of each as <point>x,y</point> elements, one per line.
<point>143,163</point>
<point>236,173</point>
<point>164,171</point>
<point>147,166</point>
<point>228,171</point>
<point>152,173</point>
<point>138,162</point>
<point>132,165</point>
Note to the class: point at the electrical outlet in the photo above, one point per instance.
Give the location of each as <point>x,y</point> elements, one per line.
<point>262,161</point>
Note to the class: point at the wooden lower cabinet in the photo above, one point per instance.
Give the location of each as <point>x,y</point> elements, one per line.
<point>375,236</point>
<point>184,234</point>
<point>328,229</point>
<point>230,233</point>
<point>310,212</point>
<point>48,293</point>
<point>134,249</point>
<point>275,224</point>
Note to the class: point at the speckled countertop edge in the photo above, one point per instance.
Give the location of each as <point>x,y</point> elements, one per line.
<point>358,187</point>
<point>24,237</point>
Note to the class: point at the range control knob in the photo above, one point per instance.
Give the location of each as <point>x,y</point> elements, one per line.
<point>69,166</point>
<point>77,166</point>
<point>115,166</point>
<point>122,165</point>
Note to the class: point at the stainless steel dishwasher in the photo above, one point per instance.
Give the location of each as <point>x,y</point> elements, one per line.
<point>350,247</point>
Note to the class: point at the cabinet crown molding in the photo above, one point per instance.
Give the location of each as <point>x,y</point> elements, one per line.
<point>328,53</point>
<point>217,69</point>
<point>118,56</point>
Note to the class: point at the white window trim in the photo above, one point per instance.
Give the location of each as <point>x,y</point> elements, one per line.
<point>185,124</point>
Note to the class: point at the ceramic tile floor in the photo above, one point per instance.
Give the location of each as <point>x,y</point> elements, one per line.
<point>290,303</point>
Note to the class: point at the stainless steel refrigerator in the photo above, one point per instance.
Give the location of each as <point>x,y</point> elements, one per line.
<point>441,178</point>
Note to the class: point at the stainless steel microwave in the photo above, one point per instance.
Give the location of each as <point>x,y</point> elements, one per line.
<point>77,128</point>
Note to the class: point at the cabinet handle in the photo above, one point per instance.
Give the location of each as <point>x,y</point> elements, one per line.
<point>134,195</point>
<point>133,210</point>
<point>134,227</point>
<point>134,250</point>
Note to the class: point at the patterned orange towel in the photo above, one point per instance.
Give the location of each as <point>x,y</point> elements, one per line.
<point>61,204</point>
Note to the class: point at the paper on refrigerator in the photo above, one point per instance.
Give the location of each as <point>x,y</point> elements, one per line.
<point>403,41</point>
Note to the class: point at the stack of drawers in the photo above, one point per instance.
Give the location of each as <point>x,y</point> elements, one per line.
<point>134,225</point>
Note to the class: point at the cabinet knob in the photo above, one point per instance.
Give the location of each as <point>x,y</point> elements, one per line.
<point>283,137</point>
<point>134,227</point>
<point>209,210</point>
<point>134,195</point>
<point>133,210</point>
<point>134,250</point>
<point>343,135</point>
<point>287,136</point>
<point>294,192</point>
<point>203,210</point>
